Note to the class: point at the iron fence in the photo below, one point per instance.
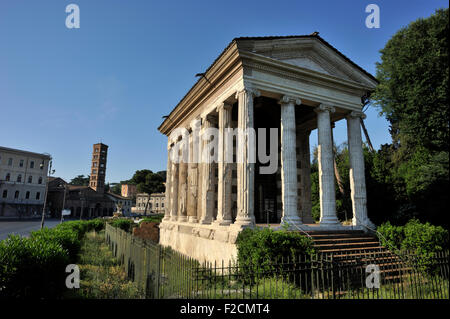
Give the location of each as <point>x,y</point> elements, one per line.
<point>164,273</point>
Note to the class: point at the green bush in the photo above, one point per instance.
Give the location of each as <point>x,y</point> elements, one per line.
<point>96,224</point>
<point>423,240</point>
<point>67,238</point>
<point>124,224</point>
<point>32,267</point>
<point>152,219</point>
<point>35,266</point>
<point>259,248</point>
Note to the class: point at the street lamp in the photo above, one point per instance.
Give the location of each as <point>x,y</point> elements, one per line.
<point>50,172</point>
<point>64,202</point>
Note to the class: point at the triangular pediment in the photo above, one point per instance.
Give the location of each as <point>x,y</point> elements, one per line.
<point>309,53</point>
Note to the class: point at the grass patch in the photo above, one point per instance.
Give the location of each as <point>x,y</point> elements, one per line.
<point>101,275</point>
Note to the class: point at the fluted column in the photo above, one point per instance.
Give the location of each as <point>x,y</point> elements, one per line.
<point>245,167</point>
<point>207,200</point>
<point>305,176</point>
<point>326,168</point>
<point>168,183</point>
<point>193,173</point>
<point>225,169</point>
<point>174,192</point>
<point>357,177</point>
<point>182,191</point>
<point>289,191</point>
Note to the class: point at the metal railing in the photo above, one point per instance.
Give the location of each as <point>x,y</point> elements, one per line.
<point>164,273</point>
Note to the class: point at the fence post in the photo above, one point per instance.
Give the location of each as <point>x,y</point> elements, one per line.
<point>158,271</point>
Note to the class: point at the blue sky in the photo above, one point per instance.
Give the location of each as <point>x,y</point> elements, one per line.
<point>61,90</point>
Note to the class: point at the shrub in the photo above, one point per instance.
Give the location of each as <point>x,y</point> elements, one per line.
<point>424,240</point>
<point>67,238</point>
<point>35,266</point>
<point>152,219</point>
<point>96,224</point>
<point>32,267</point>
<point>124,224</point>
<point>259,248</point>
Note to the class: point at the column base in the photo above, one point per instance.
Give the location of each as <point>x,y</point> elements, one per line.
<point>243,222</point>
<point>205,221</point>
<point>329,221</point>
<point>174,218</point>
<point>222,222</point>
<point>182,219</point>
<point>366,222</point>
<point>291,221</point>
<point>192,219</point>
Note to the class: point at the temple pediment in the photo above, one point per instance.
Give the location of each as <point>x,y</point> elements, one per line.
<point>311,53</point>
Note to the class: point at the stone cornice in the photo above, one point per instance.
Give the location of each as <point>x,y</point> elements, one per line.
<point>287,70</point>
<point>224,68</point>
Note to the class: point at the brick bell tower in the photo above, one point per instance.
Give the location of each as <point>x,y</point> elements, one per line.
<point>98,169</point>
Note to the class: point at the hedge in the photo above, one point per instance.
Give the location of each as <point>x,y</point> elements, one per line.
<point>122,223</point>
<point>35,266</point>
<point>259,248</point>
<point>423,240</point>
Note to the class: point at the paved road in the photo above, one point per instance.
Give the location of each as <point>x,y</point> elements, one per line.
<point>23,228</point>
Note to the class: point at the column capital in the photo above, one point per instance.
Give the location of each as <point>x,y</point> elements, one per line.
<point>224,106</point>
<point>209,118</point>
<point>195,124</point>
<point>289,99</point>
<point>356,114</point>
<point>251,91</point>
<point>324,107</point>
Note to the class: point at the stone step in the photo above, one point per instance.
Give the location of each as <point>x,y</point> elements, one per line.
<point>361,245</point>
<point>334,233</point>
<point>344,240</point>
<point>343,250</point>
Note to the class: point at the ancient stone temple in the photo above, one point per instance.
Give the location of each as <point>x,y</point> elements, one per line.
<point>288,86</point>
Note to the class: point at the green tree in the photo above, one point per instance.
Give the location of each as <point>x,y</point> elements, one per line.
<point>148,182</point>
<point>413,88</point>
<point>413,95</point>
<point>80,180</point>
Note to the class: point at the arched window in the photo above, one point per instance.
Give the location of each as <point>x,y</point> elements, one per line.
<point>8,177</point>
<point>19,178</point>
<point>40,180</point>
<point>27,195</point>
<point>30,179</point>
<point>16,195</point>
<point>5,193</point>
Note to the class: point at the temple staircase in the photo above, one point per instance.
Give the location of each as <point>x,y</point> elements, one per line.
<point>357,248</point>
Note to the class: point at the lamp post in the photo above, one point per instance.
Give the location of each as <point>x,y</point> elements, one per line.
<point>64,202</point>
<point>50,172</point>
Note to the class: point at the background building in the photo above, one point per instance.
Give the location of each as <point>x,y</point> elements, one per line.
<point>86,201</point>
<point>23,176</point>
<point>128,190</point>
<point>155,204</point>
<point>98,169</point>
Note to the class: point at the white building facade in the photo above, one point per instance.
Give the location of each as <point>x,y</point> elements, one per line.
<point>23,178</point>
<point>293,84</point>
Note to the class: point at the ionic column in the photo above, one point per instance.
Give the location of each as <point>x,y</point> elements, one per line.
<point>182,191</point>
<point>326,168</point>
<point>357,177</point>
<point>207,200</point>
<point>168,183</point>
<point>289,192</point>
<point>225,169</point>
<point>245,167</point>
<point>305,176</point>
<point>174,192</point>
<point>193,172</point>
